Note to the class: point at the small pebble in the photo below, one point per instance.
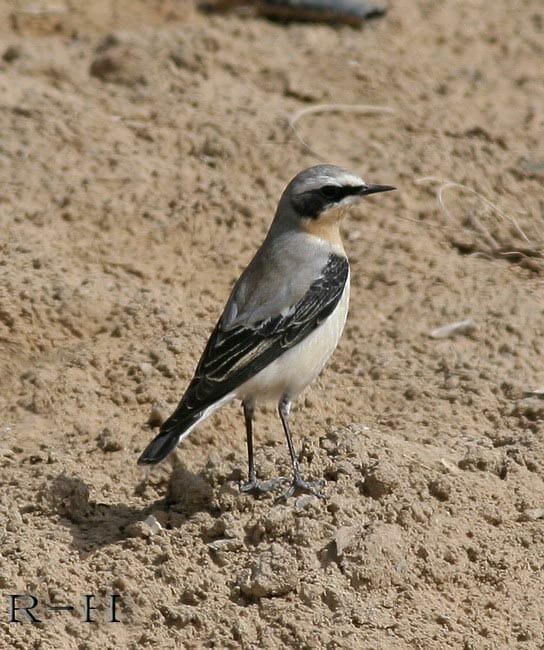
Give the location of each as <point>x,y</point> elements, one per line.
<point>153,524</point>
<point>532,514</point>
<point>534,393</point>
<point>453,329</point>
<point>157,416</point>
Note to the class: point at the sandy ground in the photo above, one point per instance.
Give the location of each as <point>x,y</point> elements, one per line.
<point>143,148</point>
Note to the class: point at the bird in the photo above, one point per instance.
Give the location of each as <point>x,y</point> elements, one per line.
<point>282,321</point>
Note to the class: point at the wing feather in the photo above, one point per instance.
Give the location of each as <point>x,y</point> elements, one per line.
<point>232,356</point>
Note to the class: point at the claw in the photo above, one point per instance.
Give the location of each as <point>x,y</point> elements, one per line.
<point>309,487</point>
<point>262,487</point>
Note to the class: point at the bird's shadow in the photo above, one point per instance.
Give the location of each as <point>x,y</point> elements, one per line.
<point>94,525</point>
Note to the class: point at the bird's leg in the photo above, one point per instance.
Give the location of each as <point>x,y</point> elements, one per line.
<point>252,484</point>
<point>298,484</point>
<point>249,410</point>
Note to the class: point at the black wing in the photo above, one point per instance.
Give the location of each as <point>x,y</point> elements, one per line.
<point>233,356</point>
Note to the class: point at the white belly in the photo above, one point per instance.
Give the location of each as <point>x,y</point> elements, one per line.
<point>290,373</point>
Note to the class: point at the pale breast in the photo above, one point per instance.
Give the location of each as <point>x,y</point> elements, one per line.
<point>296,368</point>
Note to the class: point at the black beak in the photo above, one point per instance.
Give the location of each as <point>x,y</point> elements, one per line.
<point>373,189</point>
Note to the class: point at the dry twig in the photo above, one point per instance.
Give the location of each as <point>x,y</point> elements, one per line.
<point>331,108</point>
<point>488,245</point>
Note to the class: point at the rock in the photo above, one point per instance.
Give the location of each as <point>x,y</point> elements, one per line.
<point>346,537</point>
<point>466,326</point>
<point>121,64</point>
<point>146,528</point>
<point>11,53</point>
<point>532,514</point>
<point>225,544</point>
<point>158,415</point>
<point>380,480</point>
<point>153,523</point>
<point>440,488</point>
<point>272,573</point>
<point>70,495</point>
<point>108,442</point>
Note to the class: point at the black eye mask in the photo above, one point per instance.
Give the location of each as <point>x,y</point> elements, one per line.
<point>312,203</point>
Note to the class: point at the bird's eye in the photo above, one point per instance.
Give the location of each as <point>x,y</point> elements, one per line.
<point>331,192</point>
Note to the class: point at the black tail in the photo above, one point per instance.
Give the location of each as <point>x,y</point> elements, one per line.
<point>168,438</point>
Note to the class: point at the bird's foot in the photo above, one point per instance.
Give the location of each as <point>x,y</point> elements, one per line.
<point>262,487</point>
<point>308,487</point>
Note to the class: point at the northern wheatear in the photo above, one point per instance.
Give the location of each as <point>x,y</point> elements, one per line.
<point>282,321</point>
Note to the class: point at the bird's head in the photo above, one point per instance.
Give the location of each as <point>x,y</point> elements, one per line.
<point>317,198</point>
